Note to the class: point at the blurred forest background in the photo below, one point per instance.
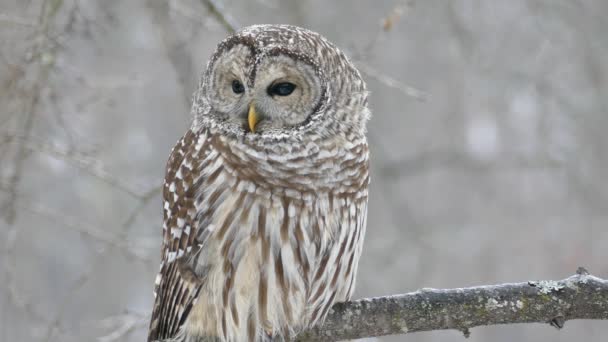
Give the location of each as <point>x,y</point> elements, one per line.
<point>489,142</point>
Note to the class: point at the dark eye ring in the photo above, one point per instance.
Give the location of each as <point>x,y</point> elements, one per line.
<point>237,87</point>
<point>281,89</point>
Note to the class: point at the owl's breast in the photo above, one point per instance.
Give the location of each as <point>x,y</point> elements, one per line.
<point>255,264</point>
<point>321,165</point>
<point>270,236</point>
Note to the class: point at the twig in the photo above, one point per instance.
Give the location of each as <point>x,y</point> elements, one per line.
<point>55,325</point>
<point>143,201</point>
<point>178,56</point>
<point>395,14</point>
<point>92,166</point>
<point>123,325</point>
<point>391,82</point>
<point>44,48</point>
<point>454,159</point>
<point>16,20</point>
<point>21,155</point>
<point>217,10</point>
<point>581,296</point>
<point>89,230</point>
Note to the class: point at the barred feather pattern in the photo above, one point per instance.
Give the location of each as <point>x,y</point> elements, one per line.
<point>262,235</point>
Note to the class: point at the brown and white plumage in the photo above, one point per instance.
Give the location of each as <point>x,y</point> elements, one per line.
<point>263,228</point>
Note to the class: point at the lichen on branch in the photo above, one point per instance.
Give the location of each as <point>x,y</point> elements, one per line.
<point>581,296</point>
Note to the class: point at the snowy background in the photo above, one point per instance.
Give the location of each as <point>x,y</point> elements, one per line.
<point>490,153</point>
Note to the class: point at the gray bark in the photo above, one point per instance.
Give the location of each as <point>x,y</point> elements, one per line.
<point>581,296</point>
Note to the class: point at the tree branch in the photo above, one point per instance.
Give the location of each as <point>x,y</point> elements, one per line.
<point>217,10</point>
<point>581,296</point>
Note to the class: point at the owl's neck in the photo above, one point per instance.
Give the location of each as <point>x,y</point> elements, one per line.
<point>321,165</point>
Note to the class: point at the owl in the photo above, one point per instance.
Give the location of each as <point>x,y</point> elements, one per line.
<point>265,196</point>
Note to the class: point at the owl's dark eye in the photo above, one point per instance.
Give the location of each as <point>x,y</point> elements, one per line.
<point>237,87</point>
<point>281,89</point>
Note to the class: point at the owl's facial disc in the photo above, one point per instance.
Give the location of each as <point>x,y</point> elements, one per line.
<point>284,94</point>
<point>279,92</point>
<point>228,90</point>
<point>276,89</point>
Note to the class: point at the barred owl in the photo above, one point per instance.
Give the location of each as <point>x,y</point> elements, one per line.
<point>265,196</point>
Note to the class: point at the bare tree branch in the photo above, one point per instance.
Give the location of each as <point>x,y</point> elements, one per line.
<point>44,48</point>
<point>581,296</point>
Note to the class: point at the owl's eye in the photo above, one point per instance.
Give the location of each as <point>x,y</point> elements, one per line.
<point>281,89</point>
<point>237,87</point>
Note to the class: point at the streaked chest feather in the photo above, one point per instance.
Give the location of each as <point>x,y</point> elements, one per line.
<point>272,261</point>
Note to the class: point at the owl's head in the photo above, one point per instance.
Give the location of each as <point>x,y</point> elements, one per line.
<point>279,81</point>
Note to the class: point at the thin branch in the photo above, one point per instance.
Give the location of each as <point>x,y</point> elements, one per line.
<point>76,224</point>
<point>21,154</point>
<point>581,296</point>
<point>6,19</point>
<point>454,159</point>
<point>143,201</point>
<point>393,17</point>
<point>45,49</point>
<point>55,325</point>
<point>122,325</point>
<point>391,82</point>
<point>178,56</point>
<point>82,161</point>
<point>217,10</point>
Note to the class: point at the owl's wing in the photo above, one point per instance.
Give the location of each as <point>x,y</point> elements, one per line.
<point>177,286</point>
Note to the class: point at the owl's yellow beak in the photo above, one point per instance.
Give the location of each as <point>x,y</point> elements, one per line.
<point>253,117</point>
